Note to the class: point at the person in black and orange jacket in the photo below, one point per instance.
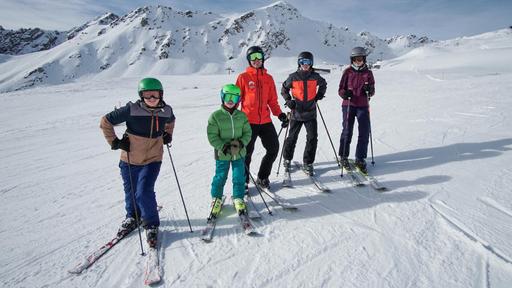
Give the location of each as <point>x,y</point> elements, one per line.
<point>307,87</point>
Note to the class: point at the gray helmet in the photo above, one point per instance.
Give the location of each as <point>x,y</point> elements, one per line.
<point>358,51</point>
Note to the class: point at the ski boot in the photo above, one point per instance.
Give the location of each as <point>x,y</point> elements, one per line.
<point>128,225</point>
<point>308,169</point>
<point>216,206</point>
<point>152,236</point>
<point>240,206</point>
<point>361,166</point>
<point>263,183</point>
<point>345,164</point>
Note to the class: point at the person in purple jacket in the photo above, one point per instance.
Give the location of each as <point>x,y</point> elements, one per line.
<point>357,85</point>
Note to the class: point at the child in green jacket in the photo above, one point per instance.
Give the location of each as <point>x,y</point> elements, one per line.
<point>229,132</point>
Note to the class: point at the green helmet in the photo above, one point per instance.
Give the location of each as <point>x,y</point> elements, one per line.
<point>230,89</point>
<point>150,84</point>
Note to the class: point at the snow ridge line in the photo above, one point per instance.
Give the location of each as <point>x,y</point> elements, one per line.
<point>468,233</point>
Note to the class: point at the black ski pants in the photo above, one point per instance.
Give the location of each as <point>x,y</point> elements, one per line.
<point>311,140</point>
<point>268,136</point>
<point>363,120</point>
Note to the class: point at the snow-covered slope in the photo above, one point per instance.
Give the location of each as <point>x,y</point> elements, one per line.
<point>442,145</point>
<point>483,54</point>
<point>162,40</point>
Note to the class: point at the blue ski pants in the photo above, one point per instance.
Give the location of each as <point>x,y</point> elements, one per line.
<point>144,178</point>
<point>363,120</point>
<point>221,175</point>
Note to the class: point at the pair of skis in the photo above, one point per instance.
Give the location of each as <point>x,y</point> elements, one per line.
<point>152,267</point>
<point>211,223</point>
<point>358,178</point>
<point>288,183</point>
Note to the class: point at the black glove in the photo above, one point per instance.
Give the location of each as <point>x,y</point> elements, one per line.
<point>284,120</point>
<point>226,148</point>
<point>348,95</point>
<point>167,138</point>
<point>319,97</point>
<point>290,104</point>
<point>123,144</point>
<point>368,89</point>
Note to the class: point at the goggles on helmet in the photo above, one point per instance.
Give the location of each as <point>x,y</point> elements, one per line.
<point>358,59</point>
<point>227,97</point>
<point>256,56</point>
<point>305,61</point>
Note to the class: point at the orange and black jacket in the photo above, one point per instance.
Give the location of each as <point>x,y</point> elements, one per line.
<point>259,95</point>
<point>306,88</point>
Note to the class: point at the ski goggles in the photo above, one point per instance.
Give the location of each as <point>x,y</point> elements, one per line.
<point>256,56</point>
<point>227,97</point>
<point>305,61</point>
<point>151,97</point>
<point>358,59</point>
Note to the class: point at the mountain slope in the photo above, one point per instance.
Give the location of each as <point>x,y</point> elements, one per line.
<point>162,40</point>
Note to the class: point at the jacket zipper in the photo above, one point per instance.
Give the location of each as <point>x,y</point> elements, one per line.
<point>258,94</point>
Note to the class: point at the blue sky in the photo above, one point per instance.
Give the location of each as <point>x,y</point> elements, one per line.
<point>438,19</point>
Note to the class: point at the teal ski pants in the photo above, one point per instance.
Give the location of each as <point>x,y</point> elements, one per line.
<point>221,175</point>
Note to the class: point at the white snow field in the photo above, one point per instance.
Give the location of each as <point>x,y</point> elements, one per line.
<point>442,140</point>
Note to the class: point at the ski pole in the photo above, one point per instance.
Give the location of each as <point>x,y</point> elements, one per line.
<point>135,204</point>
<point>282,149</point>
<point>346,136</point>
<point>279,134</point>
<point>370,124</point>
<point>179,187</point>
<point>328,135</point>
<point>259,189</point>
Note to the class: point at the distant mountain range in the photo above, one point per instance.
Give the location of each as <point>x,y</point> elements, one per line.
<point>154,40</point>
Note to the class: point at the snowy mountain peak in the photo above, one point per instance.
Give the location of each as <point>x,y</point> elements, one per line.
<point>153,40</point>
<point>280,6</point>
<point>23,41</point>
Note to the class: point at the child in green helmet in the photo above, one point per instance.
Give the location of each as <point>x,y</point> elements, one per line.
<point>229,132</point>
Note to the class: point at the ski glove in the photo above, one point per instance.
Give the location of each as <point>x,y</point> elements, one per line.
<point>226,148</point>
<point>123,143</point>
<point>290,104</point>
<point>319,97</point>
<point>167,138</point>
<point>284,120</point>
<point>369,89</point>
<point>348,95</point>
<point>236,146</point>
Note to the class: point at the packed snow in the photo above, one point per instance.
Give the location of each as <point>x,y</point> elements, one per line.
<point>442,143</point>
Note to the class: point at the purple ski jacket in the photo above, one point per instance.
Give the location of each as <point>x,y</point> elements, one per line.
<point>354,80</point>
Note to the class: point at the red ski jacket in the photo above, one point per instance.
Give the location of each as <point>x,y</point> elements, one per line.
<point>259,96</point>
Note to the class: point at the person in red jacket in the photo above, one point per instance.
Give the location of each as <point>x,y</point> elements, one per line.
<point>357,85</point>
<point>258,100</point>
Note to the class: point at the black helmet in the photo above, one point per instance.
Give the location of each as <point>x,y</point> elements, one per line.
<point>305,55</point>
<point>254,49</point>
